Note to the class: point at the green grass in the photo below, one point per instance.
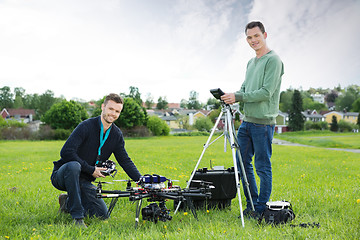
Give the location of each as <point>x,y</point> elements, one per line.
<point>323,139</point>
<point>322,185</point>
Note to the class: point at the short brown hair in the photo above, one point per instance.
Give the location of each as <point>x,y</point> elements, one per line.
<point>254,24</point>
<point>114,97</point>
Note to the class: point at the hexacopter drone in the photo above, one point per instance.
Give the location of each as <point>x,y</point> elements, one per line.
<point>153,188</point>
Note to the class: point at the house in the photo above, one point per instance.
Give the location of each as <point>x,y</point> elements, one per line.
<point>171,121</point>
<point>281,122</point>
<point>320,98</point>
<point>170,106</point>
<point>313,116</point>
<point>21,115</point>
<point>282,118</point>
<point>350,117</point>
<point>168,116</point>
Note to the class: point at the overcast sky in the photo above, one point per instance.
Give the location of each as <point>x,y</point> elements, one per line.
<point>87,48</point>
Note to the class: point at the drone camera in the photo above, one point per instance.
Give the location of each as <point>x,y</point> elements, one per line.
<point>154,212</point>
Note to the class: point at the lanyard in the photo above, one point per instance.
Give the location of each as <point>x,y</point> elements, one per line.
<point>102,137</point>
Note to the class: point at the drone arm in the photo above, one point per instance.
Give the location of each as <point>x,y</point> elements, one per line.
<point>123,193</point>
<point>139,196</point>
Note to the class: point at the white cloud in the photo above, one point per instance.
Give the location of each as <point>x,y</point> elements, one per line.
<point>315,39</point>
<point>86,49</point>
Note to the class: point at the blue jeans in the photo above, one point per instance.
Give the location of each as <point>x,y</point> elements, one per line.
<point>256,139</point>
<point>82,200</point>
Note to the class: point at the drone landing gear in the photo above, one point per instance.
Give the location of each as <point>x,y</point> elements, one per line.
<point>137,212</point>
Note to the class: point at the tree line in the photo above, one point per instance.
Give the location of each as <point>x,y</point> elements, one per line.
<point>348,100</point>
<point>63,116</point>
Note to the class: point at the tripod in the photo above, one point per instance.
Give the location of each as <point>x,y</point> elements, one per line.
<point>229,133</point>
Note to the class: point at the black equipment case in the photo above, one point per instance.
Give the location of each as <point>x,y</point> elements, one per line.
<point>225,187</point>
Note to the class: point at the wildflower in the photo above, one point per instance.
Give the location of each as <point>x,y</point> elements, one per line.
<point>358,201</point>
<point>207,211</point>
<point>7,237</point>
<point>165,226</point>
<point>185,213</point>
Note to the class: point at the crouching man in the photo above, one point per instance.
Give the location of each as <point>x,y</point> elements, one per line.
<point>93,140</point>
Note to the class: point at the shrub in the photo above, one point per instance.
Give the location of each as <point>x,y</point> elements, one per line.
<point>203,124</point>
<point>61,134</point>
<point>45,133</point>
<point>138,131</point>
<point>65,115</point>
<point>157,126</point>
<point>15,133</point>
<point>345,126</point>
<point>187,134</point>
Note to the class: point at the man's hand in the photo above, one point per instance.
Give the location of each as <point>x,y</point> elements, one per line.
<point>228,98</point>
<point>97,173</point>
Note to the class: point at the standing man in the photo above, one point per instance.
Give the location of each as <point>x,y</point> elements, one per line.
<point>260,94</point>
<point>93,140</point>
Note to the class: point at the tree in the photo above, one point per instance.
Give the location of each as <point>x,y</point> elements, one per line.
<point>162,103</point>
<point>344,103</point>
<point>203,124</point>
<point>296,119</point>
<point>214,103</point>
<point>193,102</point>
<point>331,97</point>
<point>135,94</point>
<point>157,126</point>
<point>183,103</point>
<point>6,97</point>
<point>31,101</point>
<point>334,125</point>
<point>355,107</point>
<point>65,115</point>
<point>285,100</point>
<point>46,100</point>
<point>149,101</point>
<point>97,111</point>
<point>18,103</point>
<point>132,115</point>
<point>214,114</point>
<point>19,96</point>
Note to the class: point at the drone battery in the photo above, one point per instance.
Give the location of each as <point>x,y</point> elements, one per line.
<point>153,179</point>
<point>225,187</point>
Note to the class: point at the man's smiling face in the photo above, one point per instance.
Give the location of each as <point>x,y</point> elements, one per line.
<point>256,38</point>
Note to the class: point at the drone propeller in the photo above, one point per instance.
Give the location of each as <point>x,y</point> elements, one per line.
<point>105,182</point>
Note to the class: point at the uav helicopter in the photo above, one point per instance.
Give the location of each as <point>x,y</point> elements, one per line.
<point>154,189</point>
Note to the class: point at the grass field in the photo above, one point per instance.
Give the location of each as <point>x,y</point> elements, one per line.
<point>322,185</point>
<point>324,139</point>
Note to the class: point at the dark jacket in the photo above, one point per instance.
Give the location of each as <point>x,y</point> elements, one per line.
<point>83,144</point>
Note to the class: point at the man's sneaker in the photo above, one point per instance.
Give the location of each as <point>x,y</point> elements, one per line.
<point>79,222</point>
<point>62,202</point>
<point>251,214</point>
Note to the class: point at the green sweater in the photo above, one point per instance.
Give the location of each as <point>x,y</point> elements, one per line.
<point>260,91</point>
